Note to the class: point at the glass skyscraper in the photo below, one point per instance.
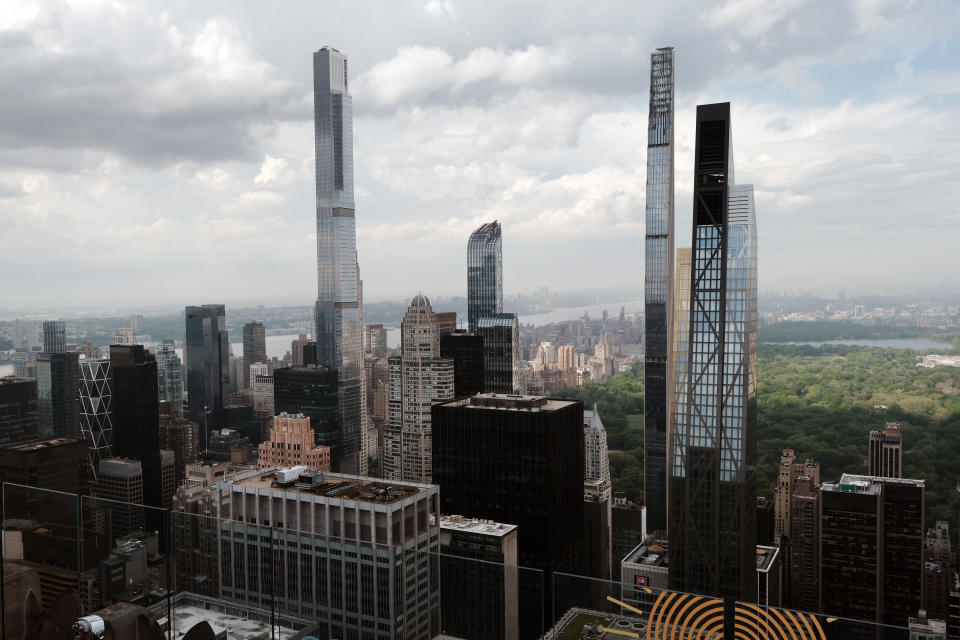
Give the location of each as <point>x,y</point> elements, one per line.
<point>96,426</point>
<point>254,348</point>
<point>658,285</point>
<point>484,274</point>
<point>338,312</point>
<point>58,385</point>
<point>170,376</point>
<point>501,351</point>
<point>208,373</point>
<point>713,457</point>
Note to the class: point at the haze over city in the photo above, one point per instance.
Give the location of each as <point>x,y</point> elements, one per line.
<point>161,153</point>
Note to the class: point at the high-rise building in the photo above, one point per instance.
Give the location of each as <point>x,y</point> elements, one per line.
<point>291,444</point>
<point>120,488</point>
<point>446,321</point>
<point>18,410</point>
<point>338,309</point>
<point>296,350</point>
<point>96,424</point>
<point>168,478</point>
<point>484,274</point>
<point>596,456</point>
<point>713,459</point>
<point>644,572</point>
<point>565,357</point>
<point>678,363</point>
<point>136,414</point>
<point>597,514</point>
<point>181,436</point>
<point>765,527</point>
<point>377,379</point>
<point>357,555</point>
<point>125,336</point>
<point>170,376</point>
<point>939,562</point>
<point>60,464</point>
<point>313,392</point>
<point>254,348</point>
<point>802,583</point>
<point>871,548</point>
<point>466,351</point>
<point>58,384</point>
<point>264,406</point>
<point>376,340</point>
<point>195,529</point>
<point>207,354</point>
<point>658,285</point>
<point>886,452</point>
<point>418,378</point>
<point>522,457</point>
<point>628,528</point>
<point>501,352</point>
<point>480,558</point>
<point>790,470</point>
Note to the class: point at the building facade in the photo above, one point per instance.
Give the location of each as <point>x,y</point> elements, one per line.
<point>418,377</point>
<point>96,424</point>
<point>313,392</point>
<point>886,452</point>
<point>713,460</point>
<point>254,348</point>
<point>501,352</point>
<point>58,464</point>
<point>170,376</point>
<point>790,471</point>
<point>466,351</point>
<point>802,561</point>
<point>120,491</point>
<point>292,443</point>
<point>181,436</point>
<point>207,353</point>
<point>357,555</point>
<point>58,384</point>
<point>18,410</point>
<point>596,456</point>
<point>338,312</point>
<point>658,285</point>
<point>484,274</point>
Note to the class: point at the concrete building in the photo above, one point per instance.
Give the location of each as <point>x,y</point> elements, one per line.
<point>120,488</point>
<point>291,444</point>
<point>479,573</point>
<point>254,348</point>
<point>646,566</point>
<point>181,436</point>
<point>125,336</point>
<point>418,377</point>
<point>355,554</point>
<point>596,456</point>
<point>790,470</point>
<point>801,547</point>
<point>168,478</point>
<point>938,571</point>
<point>886,452</point>
<point>871,548</point>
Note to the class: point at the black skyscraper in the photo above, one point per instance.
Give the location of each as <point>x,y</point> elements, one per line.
<point>713,457</point>
<point>208,373</point>
<point>254,348</point>
<point>484,273</point>
<point>18,410</point>
<point>136,414</point>
<point>466,349</point>
<point>312,391</point>
<point>517,460</point>
<point>58,385</point>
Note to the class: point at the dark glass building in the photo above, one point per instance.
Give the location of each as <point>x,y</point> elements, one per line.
<point>713,450</point>
<point>208,371</point>
<point>466,349</point>
<point>58,385</point>
<point>338,309</point>
<point>658,285</point>
<point>484,274</point>
<point>501,350</point>
<point>18,410</point>
<point>311,391</point>
<point>59,464</point>
<point>254,348</point>
<point>136,415</point>
<point>517,459</point>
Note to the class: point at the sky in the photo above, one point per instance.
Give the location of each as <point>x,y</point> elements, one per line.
<point>157,153</point>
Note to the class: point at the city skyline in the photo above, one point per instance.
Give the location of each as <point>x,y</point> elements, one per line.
<point>434,156</point>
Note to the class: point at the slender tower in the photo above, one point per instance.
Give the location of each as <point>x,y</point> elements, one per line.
<point>484,274</point>
<point>658,285</point>
<point>712,518</point>
<point>337,312</point>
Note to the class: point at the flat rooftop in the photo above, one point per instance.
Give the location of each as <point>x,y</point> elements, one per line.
<point>853,483</point>
<point>649,553</point>
<point>474,525</point>
<point>331,485</point>
<point>510,402</point>
<point>185,616</point>
<point>41,444</point>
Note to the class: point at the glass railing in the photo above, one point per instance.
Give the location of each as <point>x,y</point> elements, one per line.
<point>74,562</point>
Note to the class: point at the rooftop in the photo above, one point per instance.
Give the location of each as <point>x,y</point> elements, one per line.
<point>852,483</point>
<point>41,444</point>
<point>330,485</point>
<point>510,402</point>
<point>766,556</point>
<point>652,552</point>
<point>474,525</point>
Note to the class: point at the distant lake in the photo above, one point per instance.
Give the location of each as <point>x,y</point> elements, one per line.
<point>919,344</point>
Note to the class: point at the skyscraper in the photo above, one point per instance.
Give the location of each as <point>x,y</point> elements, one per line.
<point>712,517</point>
<point>313,392</point>
<point>18,410</point>
<point>484,274</point>
<point>96,425</point>
<point>886,452</point>
<point>207,353</point>
<point>658,254</point>
<point>254,348</point>
<point>466,350</point>
<point>418,378</point>
<point>338,312</point>
<point>501,351</point>
<point>136,414</point>
<point>170,376</point>
<point>58,384</point>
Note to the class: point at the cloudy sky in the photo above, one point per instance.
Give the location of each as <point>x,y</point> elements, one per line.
<point>162,153</point>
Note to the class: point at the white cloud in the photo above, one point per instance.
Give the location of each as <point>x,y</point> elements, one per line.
<point>215,178</point>
<point>271,171</point>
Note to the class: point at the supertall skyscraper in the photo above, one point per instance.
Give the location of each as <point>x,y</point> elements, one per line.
<point>484,274</point>
<point>713,458</point>
<point>338,310</point>
<point>208,374</point>
<point>658,285</point>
